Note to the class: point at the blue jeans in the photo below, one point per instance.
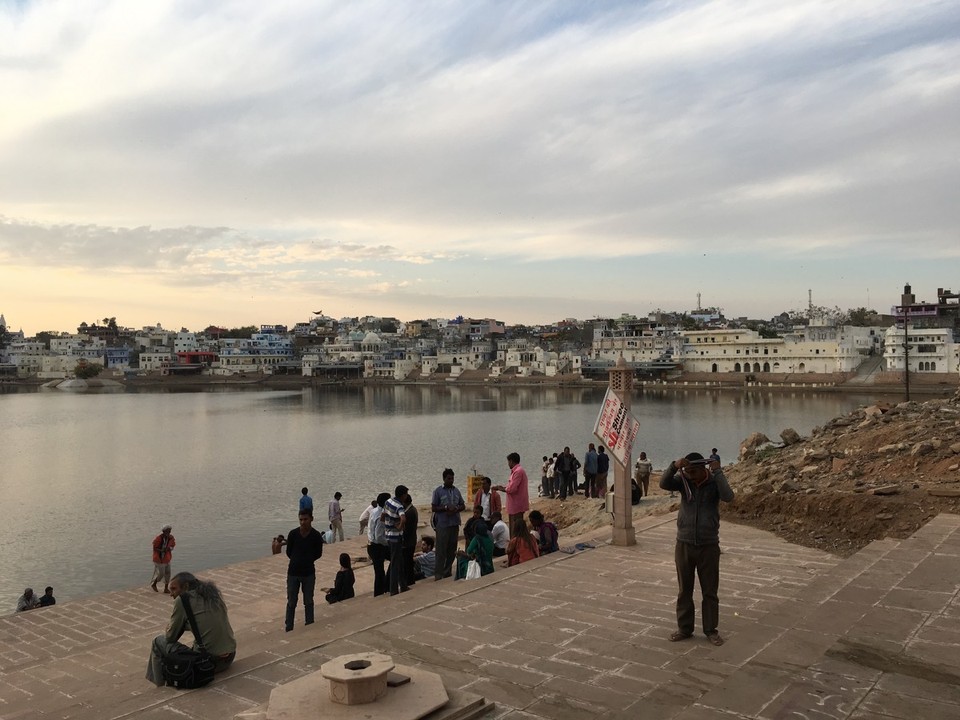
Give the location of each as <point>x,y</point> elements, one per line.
<point>294,584</point>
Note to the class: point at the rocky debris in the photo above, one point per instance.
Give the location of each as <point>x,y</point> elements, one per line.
<point>749,446</point>
<point>789,486</point>
<point>898,460</point>
<point>945,492</point>
<point>921,448</point>
<point>790,436</point>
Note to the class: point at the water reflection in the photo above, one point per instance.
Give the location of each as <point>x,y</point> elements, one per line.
<point>102,472</point>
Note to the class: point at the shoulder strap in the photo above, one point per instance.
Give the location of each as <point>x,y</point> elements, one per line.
<point>193,622</point>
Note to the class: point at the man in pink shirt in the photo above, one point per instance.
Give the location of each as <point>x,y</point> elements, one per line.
<point>517,490</point>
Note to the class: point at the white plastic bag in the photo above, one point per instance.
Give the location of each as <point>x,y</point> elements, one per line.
<point>473,570</point>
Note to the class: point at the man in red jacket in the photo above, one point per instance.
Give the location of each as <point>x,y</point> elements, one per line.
<point>163,545</point>
<point>488,499</point>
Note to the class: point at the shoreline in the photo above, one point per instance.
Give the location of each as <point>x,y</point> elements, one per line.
<point>941,387</point>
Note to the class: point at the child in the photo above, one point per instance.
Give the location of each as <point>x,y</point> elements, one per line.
<point>278,544</point>
<point>343,586</point>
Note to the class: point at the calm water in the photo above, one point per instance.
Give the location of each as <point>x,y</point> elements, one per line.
<point>86,481</point>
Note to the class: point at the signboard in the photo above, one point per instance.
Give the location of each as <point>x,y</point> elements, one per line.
<point>616,427</point>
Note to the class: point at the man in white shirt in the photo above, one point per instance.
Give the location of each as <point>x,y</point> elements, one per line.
<point>488,500</point>
<point>500,534</point>
<point>335,516</point>
<point>377,548</point>
<point>365,516</point>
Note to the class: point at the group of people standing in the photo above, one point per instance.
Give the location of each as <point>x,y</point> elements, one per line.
<point>334,514</point>
<point>391,524</point>
<point>559,473</point>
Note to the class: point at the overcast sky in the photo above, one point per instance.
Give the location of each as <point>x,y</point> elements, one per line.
<point>234,163</point>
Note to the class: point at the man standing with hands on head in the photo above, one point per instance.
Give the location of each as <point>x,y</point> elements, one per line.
<point>702,485</point>
<point>447,504</point>
<point>517,489</point>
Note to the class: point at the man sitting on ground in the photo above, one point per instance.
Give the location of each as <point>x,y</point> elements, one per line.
<point>47,599</point>
<point>500,534</point>
<point>27,601</point>
<point>546,533</point>
<point>425,562</point>
<point>209,611</point>
<point>470,527</point>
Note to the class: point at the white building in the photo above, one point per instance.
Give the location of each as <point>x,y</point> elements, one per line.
<point>931,350</point>
<point>155,359</point>
<point>816,349</point>
<point>634,341</point>
<point>153,337</point>
<point>27,356</point>
<point>185,342</point>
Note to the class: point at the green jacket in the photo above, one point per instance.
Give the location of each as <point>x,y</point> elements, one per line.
<point>212,621</point>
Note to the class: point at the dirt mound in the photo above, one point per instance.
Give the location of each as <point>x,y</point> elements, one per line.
<point>876,472</point>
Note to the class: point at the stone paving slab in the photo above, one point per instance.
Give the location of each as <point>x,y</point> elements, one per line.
<point>566,636</point>
<point>860,652</point>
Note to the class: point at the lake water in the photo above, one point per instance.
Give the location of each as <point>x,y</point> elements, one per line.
<point>87,480</point>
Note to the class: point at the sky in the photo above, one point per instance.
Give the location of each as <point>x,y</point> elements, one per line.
<point>238,163</point>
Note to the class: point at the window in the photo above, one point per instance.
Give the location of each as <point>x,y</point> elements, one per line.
<point>736,366</point>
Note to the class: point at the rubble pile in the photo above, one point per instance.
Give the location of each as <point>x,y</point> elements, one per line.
<point>879,471</point>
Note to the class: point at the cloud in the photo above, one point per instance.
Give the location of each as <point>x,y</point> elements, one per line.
<point>247,141</point>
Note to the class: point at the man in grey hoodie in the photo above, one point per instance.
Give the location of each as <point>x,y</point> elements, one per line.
<point>702,485</point>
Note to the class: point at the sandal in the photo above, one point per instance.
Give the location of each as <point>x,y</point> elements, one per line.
<point>678,635</point>
<point>715,639</point>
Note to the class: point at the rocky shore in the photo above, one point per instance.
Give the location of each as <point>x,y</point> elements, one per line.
<point>926,386</point>
<point>879,471</point>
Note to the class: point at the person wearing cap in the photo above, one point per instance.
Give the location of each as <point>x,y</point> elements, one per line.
<point>702,485</point>
<point>163,545</point>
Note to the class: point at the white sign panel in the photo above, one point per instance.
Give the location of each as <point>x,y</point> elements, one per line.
<point>616,427</point>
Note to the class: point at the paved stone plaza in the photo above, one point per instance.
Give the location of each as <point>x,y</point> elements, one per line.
<point>567,636</point>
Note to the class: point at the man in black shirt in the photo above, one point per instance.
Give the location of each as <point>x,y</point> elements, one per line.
<point>304,547</point>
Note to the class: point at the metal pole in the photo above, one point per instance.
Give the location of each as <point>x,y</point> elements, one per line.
<point>906,351</point>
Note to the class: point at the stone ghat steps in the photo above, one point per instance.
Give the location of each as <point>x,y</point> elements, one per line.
<point>876,637</point>
<point>115,668</point>
<point>578,636</point>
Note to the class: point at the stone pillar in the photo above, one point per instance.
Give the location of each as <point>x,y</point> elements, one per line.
<point>621,383</point>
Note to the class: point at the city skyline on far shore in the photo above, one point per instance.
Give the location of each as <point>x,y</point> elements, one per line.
<point>253,163</point>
